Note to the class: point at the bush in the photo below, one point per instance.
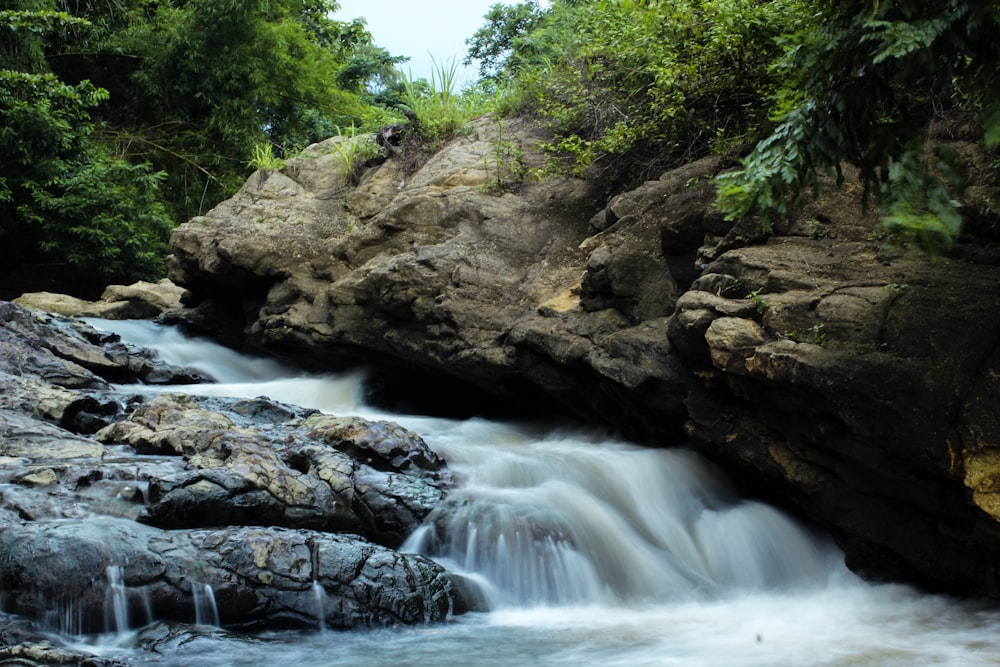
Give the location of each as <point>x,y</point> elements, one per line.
<point>632,87</point>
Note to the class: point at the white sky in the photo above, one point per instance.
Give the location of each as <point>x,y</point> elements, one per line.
<point>422,29</point>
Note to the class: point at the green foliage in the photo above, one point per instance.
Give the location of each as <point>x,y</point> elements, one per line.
<point>105,213</point>
<point>631,87</point>
<point>262,157</point>
<point>118,119</point>
<point>868,83</point>
<point>354,150</point>
<point>498,45</point>
<point>813,334</point>
<point>196,86</point>
<point>505,161</point>
<point>439,111</point>
<point>63,196</point>
<point>761,304</point>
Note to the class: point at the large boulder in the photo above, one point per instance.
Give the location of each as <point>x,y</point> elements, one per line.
<point>448,276</point>
<point>853,382</point>
<point>255,577</point>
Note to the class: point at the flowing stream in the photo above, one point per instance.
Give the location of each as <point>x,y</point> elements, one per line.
<point>592,551</point>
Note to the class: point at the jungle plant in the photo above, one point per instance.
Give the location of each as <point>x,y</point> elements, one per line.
<point>354,151</point>
<point>760,303</point>
<point>441,113</point>
<point>505,160</point>
<point>631,87</point>
<point>868,83</point>
<point>64,197</point>
<point>262,158</point>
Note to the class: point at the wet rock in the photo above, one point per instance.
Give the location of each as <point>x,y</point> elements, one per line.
<point>70,354</point>
<point>259,577</point>
<point>316,471</point>
<point>382,445</point>
<point>85,466</point>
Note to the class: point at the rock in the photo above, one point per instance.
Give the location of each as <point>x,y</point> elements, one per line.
<point>314,471</point>
<point>382,445</point>
<point>846,386</point>
<point>58,304</point>
<point>259,577</point>
<point>470,286</point>
<point>855,383</point>
<point>77,516</point>
<point>68,353</point>
<point>141,300</point>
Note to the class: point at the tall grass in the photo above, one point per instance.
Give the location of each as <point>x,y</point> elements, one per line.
<point>441,112</point>
<point>354,150</point>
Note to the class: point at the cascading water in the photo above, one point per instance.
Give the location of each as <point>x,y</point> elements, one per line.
<point>206,613</point>
<point>115,601</point>
<point>592,551</point>
<point>566,521</point>
<point>319,596</point>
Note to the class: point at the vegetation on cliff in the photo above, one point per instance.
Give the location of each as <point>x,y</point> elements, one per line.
<point>638,85</point>
<point>120,119</point>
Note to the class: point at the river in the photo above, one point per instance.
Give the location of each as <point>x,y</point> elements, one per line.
<point>590,551</point>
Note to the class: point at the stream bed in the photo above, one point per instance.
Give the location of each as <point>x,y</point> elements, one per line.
<point>589,551</point>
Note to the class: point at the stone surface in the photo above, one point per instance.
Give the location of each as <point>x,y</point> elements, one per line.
<point>260,577</point>
<point>141,300</point>
<point>303,470</point>
<point>164,495</point>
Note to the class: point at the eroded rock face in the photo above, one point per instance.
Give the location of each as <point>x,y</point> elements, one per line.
<point>140,502</point>
<point>856,383</point>
<point>850,387</point>
<point>438,272</point>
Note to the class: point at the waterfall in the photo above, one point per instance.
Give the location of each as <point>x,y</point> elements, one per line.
<point>319,597</point>
<point>567,521</point>
<point>588,551</point>
<point>115,601</point>
<point>205,610</point>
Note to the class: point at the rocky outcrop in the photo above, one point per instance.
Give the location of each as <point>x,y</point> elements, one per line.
<point>141,300</point>
<point>853,382</point>
<point>117,509</point>
<point>440,271</point>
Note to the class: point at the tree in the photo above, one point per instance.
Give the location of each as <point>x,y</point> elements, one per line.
<point>870,83</point>
<point>119,118</point>
<point>62,196</point>
<point>498,45</point>
<point>196,86</point>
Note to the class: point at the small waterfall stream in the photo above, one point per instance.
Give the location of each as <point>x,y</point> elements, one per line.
<point>594,551</point>
<point>206,612</point>
<point>570,522</point>
<point>116,603</point>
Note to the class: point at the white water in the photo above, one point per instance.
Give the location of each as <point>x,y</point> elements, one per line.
<point>596,552</point>
<point>205,610</point>
<point>116,604</point>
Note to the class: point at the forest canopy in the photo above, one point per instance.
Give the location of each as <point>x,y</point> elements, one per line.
<point>121,118</point>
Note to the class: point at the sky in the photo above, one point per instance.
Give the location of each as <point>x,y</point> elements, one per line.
<point>422,30</point>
